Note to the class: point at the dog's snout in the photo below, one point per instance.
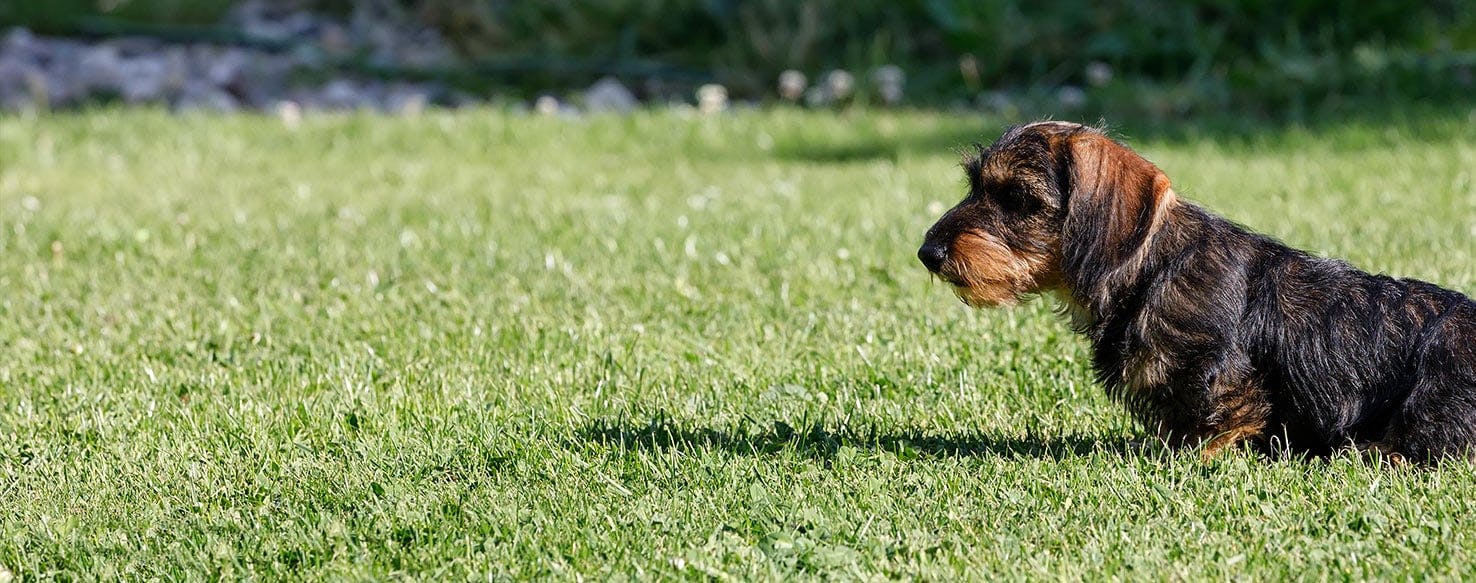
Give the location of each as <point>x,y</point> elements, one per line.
<point>932,255</point>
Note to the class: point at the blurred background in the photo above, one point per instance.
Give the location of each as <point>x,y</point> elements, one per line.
<point>1151,59</point>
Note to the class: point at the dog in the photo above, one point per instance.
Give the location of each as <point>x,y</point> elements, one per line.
<point>1211,335</point>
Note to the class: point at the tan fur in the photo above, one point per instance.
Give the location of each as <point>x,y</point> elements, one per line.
<point>1113,186</point>
<point>986,272</point>
<point>1191,316</point>
<point>1240,412</point>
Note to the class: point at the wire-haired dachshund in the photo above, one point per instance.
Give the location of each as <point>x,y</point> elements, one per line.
<point>1210,334</point>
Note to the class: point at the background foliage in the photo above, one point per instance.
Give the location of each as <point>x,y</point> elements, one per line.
<point>1168,56</point>
<point>1274,51</point>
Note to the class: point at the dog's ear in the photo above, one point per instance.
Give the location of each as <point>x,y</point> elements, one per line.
<point>1116,200</point>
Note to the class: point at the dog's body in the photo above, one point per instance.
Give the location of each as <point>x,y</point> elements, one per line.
<point>1209,333</point>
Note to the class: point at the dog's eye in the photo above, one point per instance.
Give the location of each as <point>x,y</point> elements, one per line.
<point>1014,200</point>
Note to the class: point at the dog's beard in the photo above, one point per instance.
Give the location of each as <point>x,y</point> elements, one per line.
<point>992,295</point>
<point>986,273</point>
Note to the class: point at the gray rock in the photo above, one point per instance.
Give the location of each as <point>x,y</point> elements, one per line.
<point>1098,74</point>
<point>840,83</point>
<point>177,66</point>
<point>546,105</point>
<point>62,82</point>
<point>342,94</point>
<point>998,102</point>
<point>712,98</point>
<point>335,39</point>
<point>44,72</point>
<point>818,96</point>
<point>457,99</point>
<point>144,79</point>
<point>608,95</point>
<point>98,69</point>
<point>19,43</point>
<point>405,99</point>
<point>135,46</point>
<point>198,96</point>
<point>792,85</point>
<point>1071,97</point>
<point>889,80</point>
<point>18,80</point>
<point>271,21</point>
<point>227,68</point>
<point>290,113</point>
<point>263,83</point>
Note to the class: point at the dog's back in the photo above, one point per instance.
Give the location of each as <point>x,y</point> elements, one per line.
<point>1338,356</point>
<point>1352,358</point>
<point>1209,333</point>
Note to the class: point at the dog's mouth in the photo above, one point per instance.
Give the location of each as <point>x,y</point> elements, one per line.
<point>985,273</point>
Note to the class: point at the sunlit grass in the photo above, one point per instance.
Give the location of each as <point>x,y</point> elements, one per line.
<point>478,344</point>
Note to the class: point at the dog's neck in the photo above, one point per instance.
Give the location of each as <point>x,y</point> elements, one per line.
<point>1077,314</point>
<point>1088,297</point>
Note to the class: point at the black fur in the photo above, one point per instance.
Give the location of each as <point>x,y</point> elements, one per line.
<point>1344,358</point>
<point>1207,331</point>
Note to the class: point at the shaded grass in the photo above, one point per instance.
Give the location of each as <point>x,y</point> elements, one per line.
<point>474,344</point>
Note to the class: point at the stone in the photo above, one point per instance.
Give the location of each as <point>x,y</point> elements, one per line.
<point>290,113</point>
<point>97,70</point>
<point>17,77</point>
<point>998,102</point>
<point>1071,97</point>
<point>1098,74</point>
<point>22,44</point>
<point>792,85</point>
<point>546,105</point>
<point>608,95</point>
<point>46,72</point>
<point>335,39</point>
<point>198,96</point>
<point>61,83</point>
<point>226,68</point>
<point>456,99</point>
<point>839,83</point>
<point>272,22</point>
<point>135,46</point>
<point>818,96</point>
<point>407,100</point>
<point>889,81</point>
<point>712,98</point>
<point>144,79</point>
<point>341,94</point>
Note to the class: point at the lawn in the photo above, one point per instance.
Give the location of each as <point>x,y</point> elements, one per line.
<point>478,345</point>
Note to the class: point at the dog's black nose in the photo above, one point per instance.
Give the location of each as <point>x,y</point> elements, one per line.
<point>932,256</point>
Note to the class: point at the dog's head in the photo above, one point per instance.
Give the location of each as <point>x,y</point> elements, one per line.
<point>1047,203</point>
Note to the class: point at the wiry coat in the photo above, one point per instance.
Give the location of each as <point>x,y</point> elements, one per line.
<point>1209,333</point>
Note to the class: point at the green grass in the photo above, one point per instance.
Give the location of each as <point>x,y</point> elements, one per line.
<point>478,345</point>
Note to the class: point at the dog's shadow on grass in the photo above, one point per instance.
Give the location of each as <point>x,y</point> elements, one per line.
<point>819,442</point>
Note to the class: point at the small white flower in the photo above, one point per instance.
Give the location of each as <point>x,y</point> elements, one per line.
<point>290,113</point>
<point>712,98</point>
<point>792,85</point>
<point>890,80</point>
<point>840,83</point>
<point>1071,97</point>
<point>1098,73</point>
